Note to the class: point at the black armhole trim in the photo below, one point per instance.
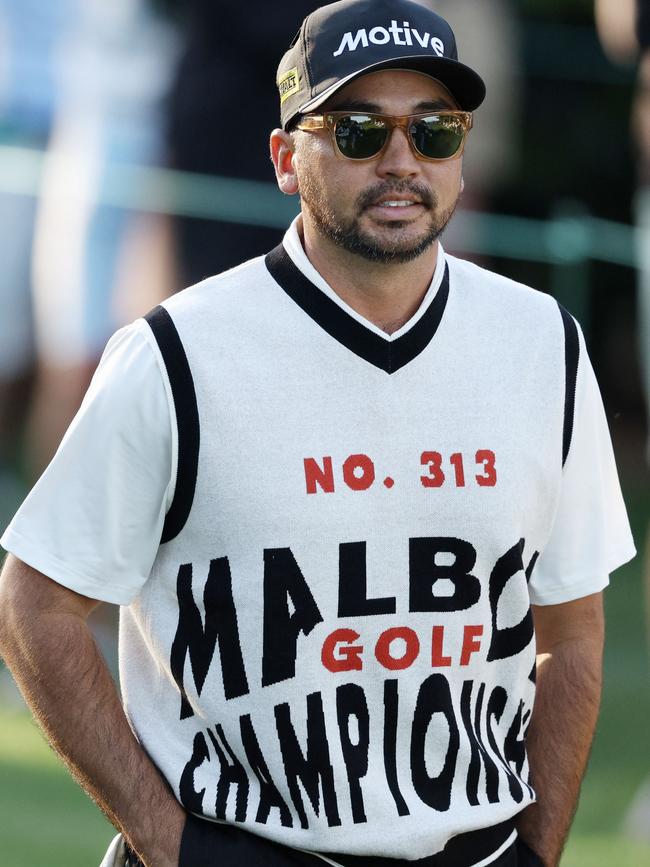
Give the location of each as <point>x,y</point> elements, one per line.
<point>187,419</point>
<point>571,359</point>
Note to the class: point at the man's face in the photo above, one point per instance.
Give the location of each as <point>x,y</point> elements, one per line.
<point>346,200</point>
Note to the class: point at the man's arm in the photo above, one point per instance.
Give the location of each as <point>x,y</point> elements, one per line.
<point>46,642</point>
<point>569,677</point>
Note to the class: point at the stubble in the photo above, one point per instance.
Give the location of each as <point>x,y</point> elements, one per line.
<point>392,243</point>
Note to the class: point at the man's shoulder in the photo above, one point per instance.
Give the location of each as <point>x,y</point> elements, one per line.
<point>476,277</point>
<point>502,295</point>
<point>219,292</point>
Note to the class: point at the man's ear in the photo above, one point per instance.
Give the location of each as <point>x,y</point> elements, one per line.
<point>282,153</point>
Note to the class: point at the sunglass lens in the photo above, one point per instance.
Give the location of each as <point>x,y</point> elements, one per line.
<point>437,138</point>
<point>359,136</point>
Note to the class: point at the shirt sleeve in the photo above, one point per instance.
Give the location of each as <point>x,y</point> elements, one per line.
<point>591,534</point>
<point>94,519</point>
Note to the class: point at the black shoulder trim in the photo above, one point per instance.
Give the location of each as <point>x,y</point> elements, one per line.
<point>571,358</point>
<point>389,355</point>
<point>187,419</point>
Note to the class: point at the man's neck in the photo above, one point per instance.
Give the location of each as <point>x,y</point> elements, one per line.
<point>386,295</point>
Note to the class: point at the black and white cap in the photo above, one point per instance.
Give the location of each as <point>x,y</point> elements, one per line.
<point>339,42</point>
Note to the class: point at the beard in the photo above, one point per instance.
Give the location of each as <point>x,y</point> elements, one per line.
<point>399,246</point>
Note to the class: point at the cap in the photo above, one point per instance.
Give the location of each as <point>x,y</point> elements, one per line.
<point>339,42</point>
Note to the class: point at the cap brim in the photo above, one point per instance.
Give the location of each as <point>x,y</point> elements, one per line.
<point>466,86</point>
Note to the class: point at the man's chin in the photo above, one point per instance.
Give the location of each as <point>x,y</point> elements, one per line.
<point>395,253</point>
<point>394,244</point>
<point>390,241</point>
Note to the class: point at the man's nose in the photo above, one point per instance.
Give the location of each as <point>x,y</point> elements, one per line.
<point>398,160</point>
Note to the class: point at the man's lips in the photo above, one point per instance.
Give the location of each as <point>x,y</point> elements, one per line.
<point>396,202</point>
<point>395,206</point>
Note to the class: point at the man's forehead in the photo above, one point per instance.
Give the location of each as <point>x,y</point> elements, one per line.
<point>389,88</point>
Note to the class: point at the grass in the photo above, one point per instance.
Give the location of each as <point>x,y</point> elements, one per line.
<point>47,821</point>
<point>45,818</point>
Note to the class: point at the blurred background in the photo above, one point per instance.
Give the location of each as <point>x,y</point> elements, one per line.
<point>133,161</point>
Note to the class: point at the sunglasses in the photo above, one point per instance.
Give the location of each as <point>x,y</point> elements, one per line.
<point>432,136</point>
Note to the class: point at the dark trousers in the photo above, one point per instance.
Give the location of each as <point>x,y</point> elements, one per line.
<point>206,844</point>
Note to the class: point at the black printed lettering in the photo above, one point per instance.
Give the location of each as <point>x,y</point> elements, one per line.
<point>190,798</point>
<point>424,572</point>
<point>495,708</point>
<point>313,768</point>
<point>491,770</point>
<point>283,580</point>
<point>515,747</point>
<point>232,774</point>
<point>434,697</point>
<point>199,641</point>
<point>391,708</point>
<point>513,639</point>
<point>270,796</point>
<point>351,704</point>
<point>353,593</point>
<point>474,769</point>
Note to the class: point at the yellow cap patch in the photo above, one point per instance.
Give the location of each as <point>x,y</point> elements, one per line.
<point>288,84</point>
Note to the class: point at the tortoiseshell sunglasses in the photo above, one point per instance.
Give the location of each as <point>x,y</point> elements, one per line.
<point>434,136</point>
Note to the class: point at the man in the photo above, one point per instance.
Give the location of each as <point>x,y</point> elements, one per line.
<point>339,477</point>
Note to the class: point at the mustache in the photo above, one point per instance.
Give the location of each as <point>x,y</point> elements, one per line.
<point>371,196</point>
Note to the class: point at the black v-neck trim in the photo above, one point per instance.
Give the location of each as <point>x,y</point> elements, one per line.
<point>388,355</point>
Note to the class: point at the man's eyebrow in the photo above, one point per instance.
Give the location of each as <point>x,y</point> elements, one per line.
<point>356,105</point>
<point>434,105</point>
<point>373,108</point>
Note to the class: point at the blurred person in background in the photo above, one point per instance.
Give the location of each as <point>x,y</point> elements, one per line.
<point>223,81</point>
<point>624,30</point>
<point>29,34</point>
<point>491,44</point>
<point>95,264</point>
<point>84,81</point>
